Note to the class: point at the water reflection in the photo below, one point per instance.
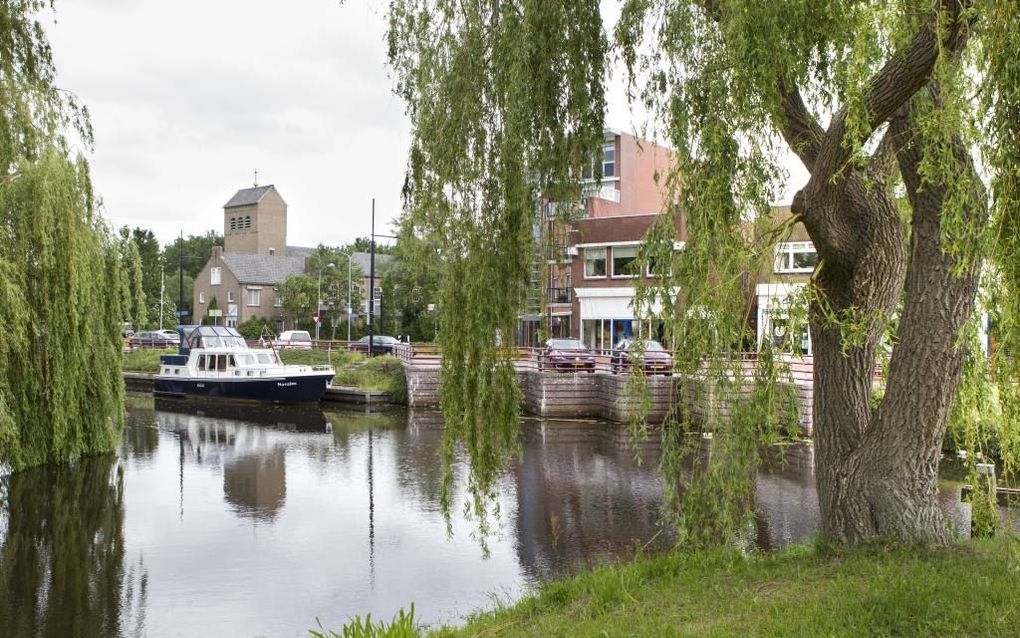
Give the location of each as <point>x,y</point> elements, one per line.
<point>255,522</point>
<point>583,497</point>
<point>63,569</point>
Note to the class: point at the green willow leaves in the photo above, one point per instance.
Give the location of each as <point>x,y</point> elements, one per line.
<point>506,102</point>
<point>61,392</point>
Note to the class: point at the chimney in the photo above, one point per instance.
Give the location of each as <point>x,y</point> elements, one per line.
<point>217,252</point>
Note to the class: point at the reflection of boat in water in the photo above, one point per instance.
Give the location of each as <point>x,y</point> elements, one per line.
<point>303,418</point>
<point>215,361</point>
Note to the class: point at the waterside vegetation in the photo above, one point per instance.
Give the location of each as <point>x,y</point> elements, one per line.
<point>62,279</point>
<point>873,590</point>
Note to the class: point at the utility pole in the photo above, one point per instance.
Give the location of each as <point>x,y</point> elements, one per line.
<point>371,284</point>
<point>180,278</point>
<point>371,287</point>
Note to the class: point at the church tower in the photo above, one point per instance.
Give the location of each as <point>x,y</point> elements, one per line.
<point>255,222</point>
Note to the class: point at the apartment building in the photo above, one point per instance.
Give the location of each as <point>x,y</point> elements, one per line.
<point>588,289</point>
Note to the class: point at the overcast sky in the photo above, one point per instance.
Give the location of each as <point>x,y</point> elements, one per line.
<point>188,98</point>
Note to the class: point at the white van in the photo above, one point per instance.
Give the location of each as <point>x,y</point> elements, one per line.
<point>296,339</point>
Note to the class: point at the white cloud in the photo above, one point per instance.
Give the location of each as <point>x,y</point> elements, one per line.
<point>188,98</point>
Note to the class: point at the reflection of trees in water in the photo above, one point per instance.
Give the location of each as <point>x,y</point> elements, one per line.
<point>62,569</point>
<point>141,434</point>
<point>582,497</point>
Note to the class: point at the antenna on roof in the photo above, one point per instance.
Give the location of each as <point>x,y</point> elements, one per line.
<point>256,178</point>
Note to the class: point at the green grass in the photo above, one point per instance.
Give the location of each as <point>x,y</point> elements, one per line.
<point>970,589</point>
<point>384,373</point>
<point>337,358</point>
<point>144,359</point>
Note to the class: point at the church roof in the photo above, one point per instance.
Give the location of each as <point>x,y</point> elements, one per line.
<point>263,269</point>
<point>248,196</point>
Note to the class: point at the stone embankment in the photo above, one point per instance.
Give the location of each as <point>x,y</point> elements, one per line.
<point>605,395</point>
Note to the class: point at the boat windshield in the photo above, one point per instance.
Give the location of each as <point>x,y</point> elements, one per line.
<point>268,358</point>
<point>213,337</point>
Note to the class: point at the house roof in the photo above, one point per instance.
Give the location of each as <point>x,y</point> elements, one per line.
<point>299,251</point>
<point>263,269</point>
<point>248,196</point>
<point>363,261</point>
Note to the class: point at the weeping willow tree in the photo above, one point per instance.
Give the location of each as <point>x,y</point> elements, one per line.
<point>887,105</point>
<point>61,393</point>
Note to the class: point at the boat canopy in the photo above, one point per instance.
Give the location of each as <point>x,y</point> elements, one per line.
<point>209,337</point>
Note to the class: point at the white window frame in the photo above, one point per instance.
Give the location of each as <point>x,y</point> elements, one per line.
<point>254,292</point>
<point>277,299</point>
<point>623,276</point>
<point>201,297</point>
<point>215,276</point>
<point>605,262</point>
<point>785,257</point>
<point>606,148</point>
<point>230,296</point>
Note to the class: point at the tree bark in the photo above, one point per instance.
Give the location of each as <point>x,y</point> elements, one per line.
<point>878,469</point>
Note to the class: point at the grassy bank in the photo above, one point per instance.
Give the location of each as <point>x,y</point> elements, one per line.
<point>383,373</point>
<point>968,590</point>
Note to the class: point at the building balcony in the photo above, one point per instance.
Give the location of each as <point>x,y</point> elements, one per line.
<point>559,253</point>
<point>601,191</point>
<point>559,295</point>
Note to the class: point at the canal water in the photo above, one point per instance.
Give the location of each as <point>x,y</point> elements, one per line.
<point>257,523</point>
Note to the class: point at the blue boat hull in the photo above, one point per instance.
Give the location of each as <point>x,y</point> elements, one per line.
<point>278,390</point>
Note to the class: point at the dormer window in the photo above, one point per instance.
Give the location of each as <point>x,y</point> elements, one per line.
<point>796,257</point>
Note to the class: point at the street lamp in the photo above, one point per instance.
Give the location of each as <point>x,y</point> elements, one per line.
<point>318,301</point>
<point>350,253</point>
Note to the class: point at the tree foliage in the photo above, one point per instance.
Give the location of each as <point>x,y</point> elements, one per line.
<point>506,101</point>
<point>297,294</point>
<point>61,391</point>
<point>886,105</point>
<point>133,286</point>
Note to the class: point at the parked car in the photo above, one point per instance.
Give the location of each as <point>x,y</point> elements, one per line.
<point>171,335</point>
<point>294,339</point>
<point>381,344</point>
<point>150,339</point>
<point>648,354</point>
<point>128,330</point>
<point>566,355</point>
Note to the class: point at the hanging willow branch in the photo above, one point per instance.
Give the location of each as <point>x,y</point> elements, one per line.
<point>505,99</point>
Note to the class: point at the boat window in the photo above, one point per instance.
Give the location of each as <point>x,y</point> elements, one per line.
<point>221,362</point>
<point>264,358</point>
<point>201,362</point>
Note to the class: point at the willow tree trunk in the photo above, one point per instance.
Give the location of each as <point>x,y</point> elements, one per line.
<point>878,467</point>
